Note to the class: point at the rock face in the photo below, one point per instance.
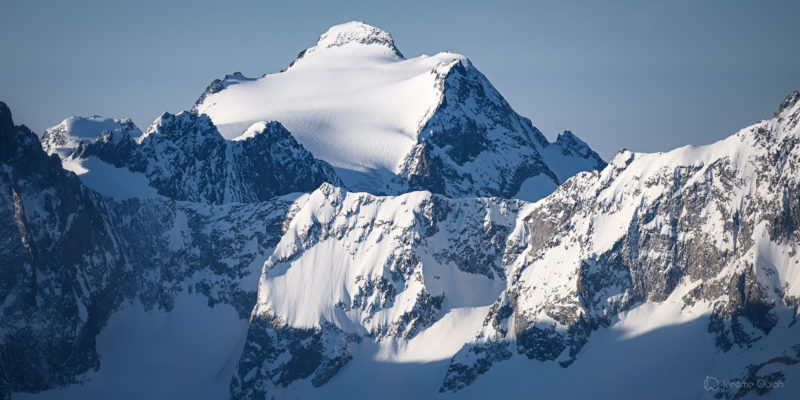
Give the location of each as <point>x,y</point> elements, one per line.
<point>183,157</point>
<point>55,286</point>
<point>711,227</point>
<point>474,144</point>
<point>70,258</point>
<point>391,125</point>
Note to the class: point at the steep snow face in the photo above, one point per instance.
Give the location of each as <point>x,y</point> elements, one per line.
<point>351,100</point>
<point>355,102</point>
<point>411,275</point>
<point>415,230</point>
<point>183,157</point>
<point>64,137</point>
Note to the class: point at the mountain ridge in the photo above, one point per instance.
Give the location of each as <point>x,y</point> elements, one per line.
<point>184,157</point>
<point>355,102</point>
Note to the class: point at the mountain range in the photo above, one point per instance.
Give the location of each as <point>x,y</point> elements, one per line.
<point>364,225</point>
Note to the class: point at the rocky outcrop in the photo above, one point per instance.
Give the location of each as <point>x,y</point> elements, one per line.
<point>277,354</point>
<point>184,157</point>
<point>474,144</point>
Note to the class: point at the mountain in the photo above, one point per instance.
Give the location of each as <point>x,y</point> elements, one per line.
<point>75,262</point>
<point>71,132</point>
<point>700,240</point>
<point>176,262</point>
<point>49,220</point>
<point>396,279</point>
<point>390,125</point>
<point>184,157</point>
<point>703,235</point>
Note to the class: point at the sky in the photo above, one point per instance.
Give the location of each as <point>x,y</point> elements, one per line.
<point>647,76</point>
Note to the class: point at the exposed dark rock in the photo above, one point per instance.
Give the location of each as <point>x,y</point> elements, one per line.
<point>185,158</point>
<point>276,354</point>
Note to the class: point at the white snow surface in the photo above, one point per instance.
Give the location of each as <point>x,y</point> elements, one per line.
<point>439,342</point>
<point>302,282</point>
<point>354,101</point>
<point>671,361</point>
<point>668,362</point>
<point>108,180</point>
<point>189,352</point>
<point>357,106</point>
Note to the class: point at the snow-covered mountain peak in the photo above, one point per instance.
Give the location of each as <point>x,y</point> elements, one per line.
<point>360,116</point>
<point>786,118</point>
<point>76,130</point>
<point>184,157</point>
<point>739,151</point>
<point>390,125</point>
<point>354,32</point>
<point>352,39</point>
<point>692,249</point>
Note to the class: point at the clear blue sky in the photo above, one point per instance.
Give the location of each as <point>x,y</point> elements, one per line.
<point>643,75</point>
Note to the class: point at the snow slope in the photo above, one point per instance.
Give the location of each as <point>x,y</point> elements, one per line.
<point>110,181</point>
<point>668,362</point>
<point>351,101</point>
<point>354,101</point>
<point>187,352</point>
<point>408,277</point>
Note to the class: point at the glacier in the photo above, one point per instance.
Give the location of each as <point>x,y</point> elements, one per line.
<point>388,124</point>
